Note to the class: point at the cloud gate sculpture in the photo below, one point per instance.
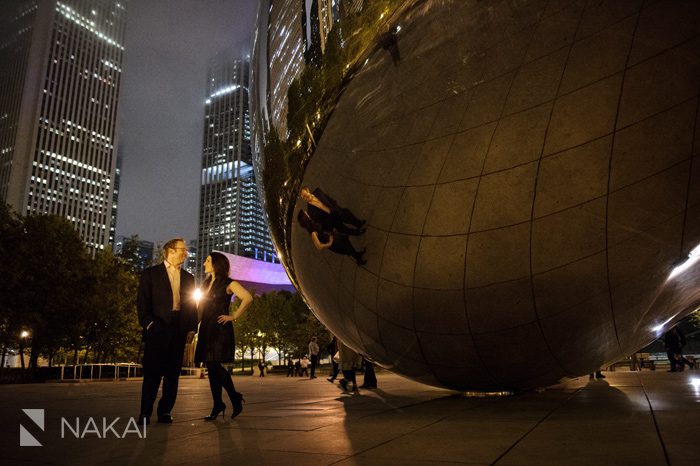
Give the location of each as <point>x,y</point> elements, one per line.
<point>529,176</point>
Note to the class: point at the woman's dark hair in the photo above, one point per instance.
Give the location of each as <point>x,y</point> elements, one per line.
<point>307,222</point>
<point>220,264</point>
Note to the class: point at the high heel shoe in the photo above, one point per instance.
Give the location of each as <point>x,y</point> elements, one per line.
<point>215,412</point>
<point>237,401</point>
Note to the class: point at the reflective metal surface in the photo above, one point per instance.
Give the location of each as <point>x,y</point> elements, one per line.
<point>528,172</point>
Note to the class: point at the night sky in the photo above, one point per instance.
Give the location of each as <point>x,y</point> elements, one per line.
<point>168,44</point>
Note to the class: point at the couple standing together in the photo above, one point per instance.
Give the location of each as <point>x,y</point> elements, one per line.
<point>169,316</point>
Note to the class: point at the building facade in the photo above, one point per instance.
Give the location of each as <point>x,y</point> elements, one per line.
<point>59,90</point>
<point>285,56</point>
<point>230,215</point>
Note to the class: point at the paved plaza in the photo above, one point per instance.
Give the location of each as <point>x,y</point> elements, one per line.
<point>630,418</point>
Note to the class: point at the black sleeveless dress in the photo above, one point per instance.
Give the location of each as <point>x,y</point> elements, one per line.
<point>215,342</point>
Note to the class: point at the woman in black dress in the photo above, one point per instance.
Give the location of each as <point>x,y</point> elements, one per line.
<point>215,341</point>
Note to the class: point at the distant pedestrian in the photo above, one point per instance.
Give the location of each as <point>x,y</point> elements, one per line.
<point>261,368</point>
<point>290,368</point>
<point>304,367</point>
<point>674,341</point>
<point>313,352</point>
<point>390,41</point>
<point>370,379</point>
<point>332,349</point>
<point>297,368</point>
<point>350,361</point>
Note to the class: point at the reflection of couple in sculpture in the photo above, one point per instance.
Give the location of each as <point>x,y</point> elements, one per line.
<point>168,314</point>
<point>330,225</point>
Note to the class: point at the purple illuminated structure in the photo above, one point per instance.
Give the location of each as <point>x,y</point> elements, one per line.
<point>258,276</point>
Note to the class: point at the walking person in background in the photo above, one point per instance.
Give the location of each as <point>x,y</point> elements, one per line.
<point>350,361</point>
<point>261,368</point>
<point>313,351</point>
<point>304,367</point>
<point>332,349</point>
<point>215,342</point>
<point>290,368</point>
<point>674,341</point>
<point>168,316</point>
<point>370,378</point>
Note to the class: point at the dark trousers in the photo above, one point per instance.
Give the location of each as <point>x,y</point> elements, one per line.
<point>314,361</point>
<point>220,378</point>
<point>162,360</point>
<point>370,379</point>
<point>335,369</point>
<point>350,376</point>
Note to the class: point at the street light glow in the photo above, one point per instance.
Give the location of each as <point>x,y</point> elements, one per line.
<point>24,334</point>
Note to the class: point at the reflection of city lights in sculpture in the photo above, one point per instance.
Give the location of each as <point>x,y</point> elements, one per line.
<point>693,257</point>
<point>526,191</point>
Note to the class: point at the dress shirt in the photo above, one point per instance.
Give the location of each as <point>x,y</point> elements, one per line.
<point>174,276</point>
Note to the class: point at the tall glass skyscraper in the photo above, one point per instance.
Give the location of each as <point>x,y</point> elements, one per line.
<point>59,89</point>
<point>230,215</point>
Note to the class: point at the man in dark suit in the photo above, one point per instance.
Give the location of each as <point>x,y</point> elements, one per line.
<point>168,315</point>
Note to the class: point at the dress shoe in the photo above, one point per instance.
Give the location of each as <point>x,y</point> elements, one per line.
<point>344,384</point>
<point>215,412</point>
<point>165,418</point>
<point>331,379</point>
<point>143,419</point>
<point>237,401</point>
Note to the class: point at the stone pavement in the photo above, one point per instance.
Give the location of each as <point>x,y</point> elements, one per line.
<point>648,418</point>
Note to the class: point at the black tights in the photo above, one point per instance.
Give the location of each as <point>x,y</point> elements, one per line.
<point>220,378</point>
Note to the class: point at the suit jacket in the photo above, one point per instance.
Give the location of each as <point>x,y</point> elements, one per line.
<point>326,199</point>
<point>155,298</point>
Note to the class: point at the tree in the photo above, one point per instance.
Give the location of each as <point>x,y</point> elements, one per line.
<point>55,285</point>
<point>112,329</point>
<point>10,279</point>
<point>130,252</point>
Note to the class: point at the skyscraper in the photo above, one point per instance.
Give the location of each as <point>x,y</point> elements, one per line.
<point>285,56</point>
<point>59,89</point>
<point>230,215</point>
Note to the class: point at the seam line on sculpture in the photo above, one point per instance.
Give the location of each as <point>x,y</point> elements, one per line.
<point>690,176</point>
<point>514,69</point>
<point>552,154</point>
<point>535,311</point>
<point>472,210</point>
<point>550,214</point>
<point>415,262</point>
<point>610,165</point>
